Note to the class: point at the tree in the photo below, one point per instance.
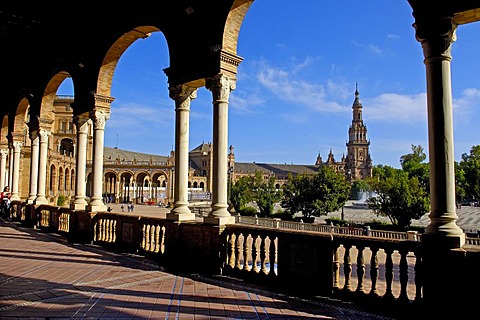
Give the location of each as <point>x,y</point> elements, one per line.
<point>316,195</point>
<point>413,163</point>
<point>399,197</point>
<point>241,193</point>
<point>470,166</point>
<point>265,194</point>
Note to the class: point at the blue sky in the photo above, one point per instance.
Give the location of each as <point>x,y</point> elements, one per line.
<point>296,84</point>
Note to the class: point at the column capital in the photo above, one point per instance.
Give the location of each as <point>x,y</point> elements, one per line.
<point>99,118</point>
<point>43,134</point>
<point>81,121</point>
<point>183,95</point>
<point>17,146</point>
<point>436,36</point>
<point>221,86</point>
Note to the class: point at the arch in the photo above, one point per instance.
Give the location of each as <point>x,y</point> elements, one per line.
<point>66,147</point>
<point>60,180</point>
<point>233,24</point>
<point>113,55</point>
<point>46,108</point>
<point>52,179</point>
<point>4,131</point>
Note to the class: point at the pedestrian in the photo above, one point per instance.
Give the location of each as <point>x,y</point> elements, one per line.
<point>122,207</point>
<point>5,199</point>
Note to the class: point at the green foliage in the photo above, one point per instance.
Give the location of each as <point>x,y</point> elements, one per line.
<point>316,195</point>
<point>255,189</point>
<point>61,200</point>
<point>336,222</point>
<point>241,193</point>
<point>468,176</point>
<point>265,194</point>
<point>248,211</point>
<point>400,198</point>
<point>413,163</point>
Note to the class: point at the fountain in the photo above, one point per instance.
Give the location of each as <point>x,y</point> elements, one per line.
<point>362,198</point>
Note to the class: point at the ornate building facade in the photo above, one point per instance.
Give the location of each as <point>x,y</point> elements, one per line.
<point>149,178</point>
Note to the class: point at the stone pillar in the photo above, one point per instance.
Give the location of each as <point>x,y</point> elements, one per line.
<point>17,149</point>
<point>221,86</point>
<point>3,167</point>
<point>10,164</point>
<point>42,167</point>
<point>81,122</point>
<point>443,259</point>
<point>99,119</point>
<point>182,95</point>
<point>436,37</point>
<point>34,150</point>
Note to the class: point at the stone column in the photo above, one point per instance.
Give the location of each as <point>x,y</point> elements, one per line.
<point>17,149</point>
<point>10,164</point>
<point>42,167</point>
<point>34,150</point>
<point>221,86</point>
<point>81,123</point>
<point>183,95</point>
<point>436,38</point>
<point>3,167</point>
<point>99,119</point>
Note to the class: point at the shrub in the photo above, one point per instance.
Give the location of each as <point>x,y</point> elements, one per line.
<point>248,211</point>
<point>61,200</point>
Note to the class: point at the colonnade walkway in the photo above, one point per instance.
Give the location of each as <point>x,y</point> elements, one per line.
<point>44,277</point>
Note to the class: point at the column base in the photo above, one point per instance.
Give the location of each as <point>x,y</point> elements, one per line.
<point>219,221</point>
<point>78,206</point>
<point>96,208</point>
<point>185,216</point>
<point>40,200</point>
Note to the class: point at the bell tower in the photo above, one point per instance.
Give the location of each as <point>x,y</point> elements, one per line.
<point>358,162</point>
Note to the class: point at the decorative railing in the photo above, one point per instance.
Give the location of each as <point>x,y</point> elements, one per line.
<point>351,264</point>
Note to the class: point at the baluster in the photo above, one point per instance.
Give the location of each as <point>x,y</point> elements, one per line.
<point>157,239</point>
<point>360,269</point>
<point>336,268</point>
<point>102,230</point>
<point>162,239</point>
<point>239,247</point>
<point>114,231</point>
<point>147,238</point>
<point>388,274</point>
<point>347,267</point>
<point>231,250</point>
<point>418,275</point>
<point>263,254</point>
<point>152,238</point>
<point>144,230</point>
<point>255,253</point>
<point>403,276</point>
<point>246,253</point>
<point>110,230</point>
<point>374,271</point>
<point>272,253</point>
<point>95,230</point>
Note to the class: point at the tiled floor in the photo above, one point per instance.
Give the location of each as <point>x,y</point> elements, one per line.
<point>43,277</point>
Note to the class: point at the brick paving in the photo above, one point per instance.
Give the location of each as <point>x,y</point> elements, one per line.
<point>44,277</point>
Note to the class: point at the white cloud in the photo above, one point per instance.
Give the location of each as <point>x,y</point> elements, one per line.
<point>463,106</point>
<point>287,87</point>
<point>394,107</point>
<point>369,47</point>
<point>245,105</point>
